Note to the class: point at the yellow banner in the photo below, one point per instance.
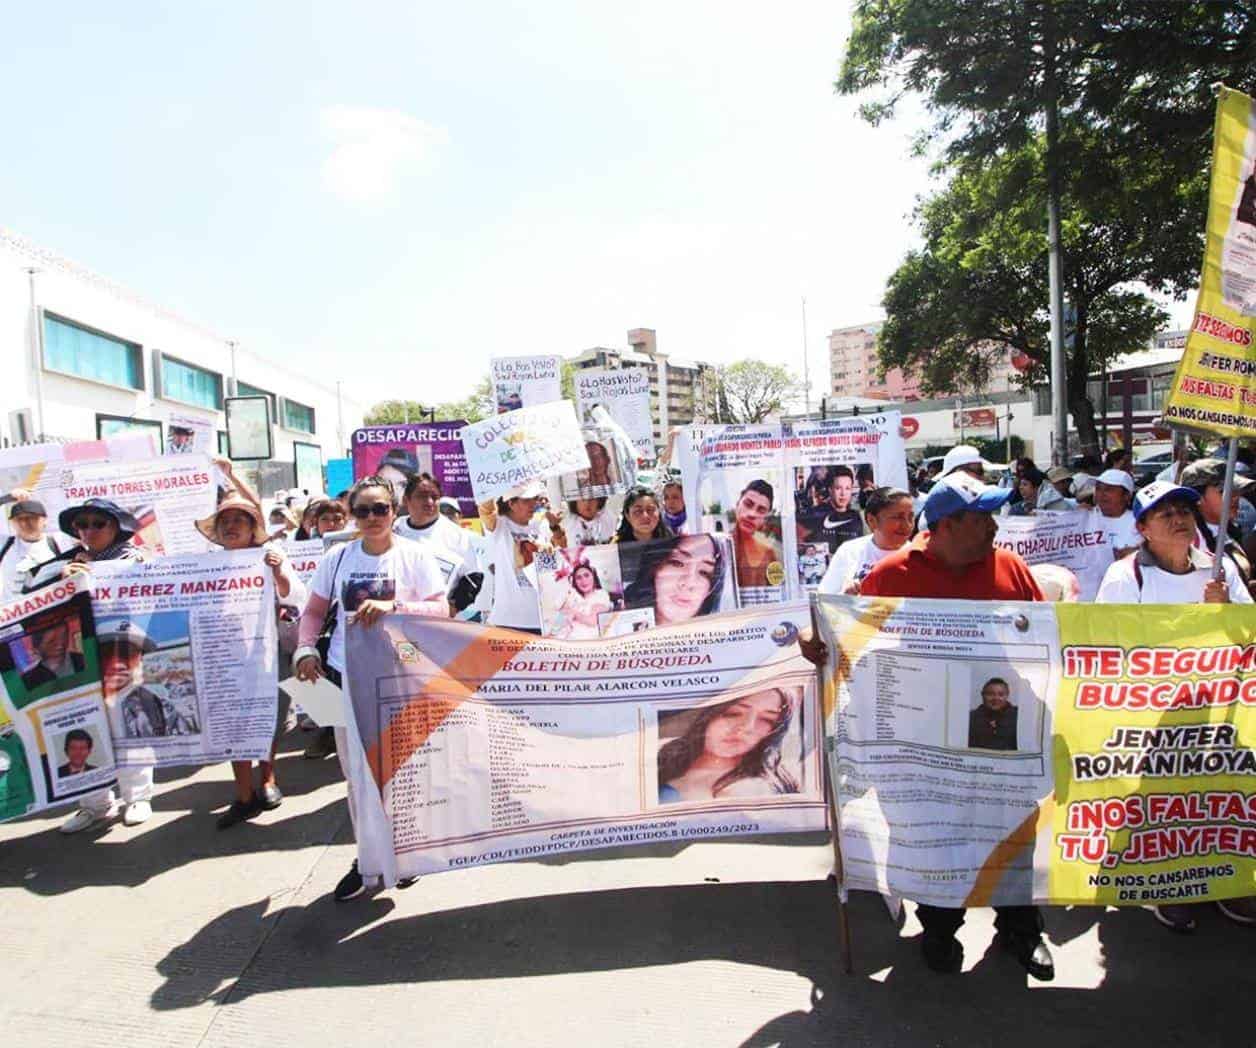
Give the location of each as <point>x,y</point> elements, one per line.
<point>1155,775</point>
<point>1214,390</point>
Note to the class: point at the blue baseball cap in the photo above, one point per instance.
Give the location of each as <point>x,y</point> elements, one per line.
<point>1159,490</point>
<point>960,492</point>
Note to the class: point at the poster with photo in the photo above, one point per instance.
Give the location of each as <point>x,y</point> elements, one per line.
<point>738,489</point>
<point>577,586</point>
<point>188,657</point>
<point>165,496</point>
<point>190,435</point>
<point>625,394</point>
<point>833,466</point>
<point>559,746</point>
<point>55,742</point>
<point>604,476</point>
<point>401,451</point>
<point>624,587</point>
<point>525,382</point>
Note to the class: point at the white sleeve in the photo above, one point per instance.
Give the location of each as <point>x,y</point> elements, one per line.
<point>838,573</point>
<point>1239,593</point>
<point>1118,586</point>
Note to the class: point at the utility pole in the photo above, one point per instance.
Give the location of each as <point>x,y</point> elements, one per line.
<point>1055,268</point>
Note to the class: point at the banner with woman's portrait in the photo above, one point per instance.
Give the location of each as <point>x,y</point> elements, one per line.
<point>400,451</point>
<point>471,745</point>
<point>608,591</point>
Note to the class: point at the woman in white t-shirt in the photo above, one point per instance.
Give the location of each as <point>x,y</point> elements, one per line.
<point>891,520</point>
<point>515,533</point>
<point>1168,569</point>
<point>374,575</point>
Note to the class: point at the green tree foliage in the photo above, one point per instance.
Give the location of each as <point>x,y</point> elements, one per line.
<point>390,411</point>
<point>752,390</point>
<point>1132,82</point>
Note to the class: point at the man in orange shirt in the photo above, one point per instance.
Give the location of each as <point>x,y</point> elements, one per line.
<point>958,561</point>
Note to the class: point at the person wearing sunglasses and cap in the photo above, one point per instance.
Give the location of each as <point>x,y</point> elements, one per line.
<point>377,574</point>
<point>237,524</point>
<point>1170,568</point>
<point>959,561</point>
<point>104,531</point>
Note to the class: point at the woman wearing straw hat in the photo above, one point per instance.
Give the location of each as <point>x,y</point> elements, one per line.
<point>237,524</point>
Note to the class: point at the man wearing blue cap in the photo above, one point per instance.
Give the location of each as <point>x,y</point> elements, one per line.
<point>958,561</point>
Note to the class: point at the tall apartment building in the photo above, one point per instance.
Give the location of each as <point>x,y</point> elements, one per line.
<point>853,369</point>
<point>681,391</point>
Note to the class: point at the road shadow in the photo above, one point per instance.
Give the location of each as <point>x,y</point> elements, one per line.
<point>890,999</point>
<point>47,862</point>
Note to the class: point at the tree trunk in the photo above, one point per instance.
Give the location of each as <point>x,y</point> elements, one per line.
<point>1079,403</point>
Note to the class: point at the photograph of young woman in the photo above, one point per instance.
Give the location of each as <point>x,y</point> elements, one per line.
<point>680,578</point>
<point>732,749</point>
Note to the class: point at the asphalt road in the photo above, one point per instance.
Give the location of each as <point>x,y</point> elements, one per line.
<point>176,934</point>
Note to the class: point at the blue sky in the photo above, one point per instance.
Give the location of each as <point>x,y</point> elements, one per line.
<point>390,194</point>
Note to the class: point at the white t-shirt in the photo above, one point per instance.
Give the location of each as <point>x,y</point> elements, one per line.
<point>595,532</point>
<point>448,543</point>
<point>852,561</point>
<point>22,557</point>
<point>1120,583</point>
<point>515,594</point>
<point>1119,532</point>
<point>405,572</point>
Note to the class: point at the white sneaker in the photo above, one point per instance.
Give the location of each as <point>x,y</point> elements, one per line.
<point>81,820</point>
<point>136,813</point>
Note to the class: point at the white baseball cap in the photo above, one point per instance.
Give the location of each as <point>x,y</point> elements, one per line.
<point>961,455</point>
<point>1117,478</point>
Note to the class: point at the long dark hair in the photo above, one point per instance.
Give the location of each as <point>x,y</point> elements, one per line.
<point>762,762</point>
<point>584,565</point>
<point>640,592</point>
<point>661,530</point>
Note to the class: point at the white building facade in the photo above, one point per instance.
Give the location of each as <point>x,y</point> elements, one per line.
<point>87,358</point>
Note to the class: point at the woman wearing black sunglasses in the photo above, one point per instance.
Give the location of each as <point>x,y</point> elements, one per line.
<point>377,574</point>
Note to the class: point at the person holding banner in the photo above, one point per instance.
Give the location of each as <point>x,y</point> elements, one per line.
<point>891,520</point>
<point>361,581</point>
<point>1171,569</point>
<point>641,520</point>
<point>674,513</point>
<point>959,561</point>
<point>237,524</point>
<point>515,534</point>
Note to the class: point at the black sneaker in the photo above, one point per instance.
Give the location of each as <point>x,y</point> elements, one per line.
<point>323,745</point>
<point>406,882</point>
<point>238,812</point>
<point>350,886</point>
<point>943,953</point>
<point>1031,952</point>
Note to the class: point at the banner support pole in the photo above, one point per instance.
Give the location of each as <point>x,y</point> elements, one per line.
<point>1227,493</point>
<point>830,793</point>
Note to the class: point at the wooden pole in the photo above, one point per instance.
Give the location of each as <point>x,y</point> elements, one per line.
<point>830,793</point>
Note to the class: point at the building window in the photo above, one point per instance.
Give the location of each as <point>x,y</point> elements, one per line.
<point>243,389</point>
<point>90,354</point>
<point>192,385</point>
<point>297,416</point>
